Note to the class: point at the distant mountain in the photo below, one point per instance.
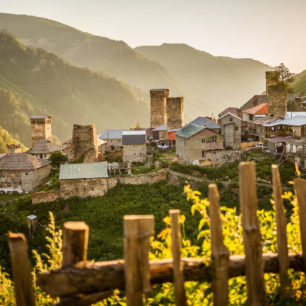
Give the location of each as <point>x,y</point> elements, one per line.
<point>208,83</point>
<point>221,81</point>
<point>299,84</point>
<point>112,57</point>
<point>41,83</point>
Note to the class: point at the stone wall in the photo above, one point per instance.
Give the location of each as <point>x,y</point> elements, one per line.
<point>45,196</point>
<point>175,113</point>
<point>99,186</point>
<point>84,141</point>
<point>231,130</point>
<point>135,153</point>
<point>158,107</point>
<point>276,95</point>
<point>147,178</point>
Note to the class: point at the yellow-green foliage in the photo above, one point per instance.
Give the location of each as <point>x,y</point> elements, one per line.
<point>6,138</point>
<point>197,293</point>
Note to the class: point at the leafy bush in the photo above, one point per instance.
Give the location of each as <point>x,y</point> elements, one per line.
<point>57,158</point>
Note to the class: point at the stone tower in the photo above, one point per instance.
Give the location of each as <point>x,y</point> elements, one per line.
<point>276,95</point>
<point>158,107</point>
<point>175,112</point>
<point>85,144</point>
<point>41,128</point>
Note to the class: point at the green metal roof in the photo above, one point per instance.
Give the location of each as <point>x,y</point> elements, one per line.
<point>86,170</point>
<point>190,130</point>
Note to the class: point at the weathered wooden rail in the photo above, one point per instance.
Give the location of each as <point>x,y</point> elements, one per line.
<point>81,282</point>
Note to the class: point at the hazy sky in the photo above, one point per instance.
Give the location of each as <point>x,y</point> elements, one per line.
<point>271,31</point>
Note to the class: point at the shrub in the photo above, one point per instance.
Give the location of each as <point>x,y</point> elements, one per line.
<point>57,158</point>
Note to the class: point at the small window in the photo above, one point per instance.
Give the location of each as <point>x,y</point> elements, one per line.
<point>236,128</point>
<point>214,152</point>
<point>214,139</point>
<point>203,140</point>
<point>26,173</point>
<point>231,119</point>
<point>203,153</point>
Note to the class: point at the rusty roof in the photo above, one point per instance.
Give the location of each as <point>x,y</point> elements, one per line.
<point>21,162</point>
<point>260,109</point>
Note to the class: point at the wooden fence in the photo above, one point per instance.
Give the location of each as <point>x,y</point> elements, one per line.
<point>82,282</point>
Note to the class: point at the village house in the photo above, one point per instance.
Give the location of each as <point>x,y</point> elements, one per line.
<point>296,152</point>
<point>200,142</point>
<point>83,180</point>
<point>160,134</point>
<point>22,172</point>
<point>232,110</point>
<point>231,130</point>
<point>42,145</point>
<point>113,139</point>
<point>134,146</point>
<point>254,101</point>
<point>280,132</point>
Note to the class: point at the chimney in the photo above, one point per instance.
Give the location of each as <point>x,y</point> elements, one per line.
<point>13,148</point>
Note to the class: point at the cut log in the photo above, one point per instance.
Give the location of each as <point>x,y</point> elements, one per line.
<point>89,277</point>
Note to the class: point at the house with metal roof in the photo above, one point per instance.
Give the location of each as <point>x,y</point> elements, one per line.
<point>22,172</point>
<point>134,146</point>
<point>295,126</point>
<point>83,180</point>
<point>113,139</point>
<point>255,111</point>
<point>198,144</point>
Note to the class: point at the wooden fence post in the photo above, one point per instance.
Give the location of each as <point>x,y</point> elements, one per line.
<point>219,252</point>
<point>137,233</point>
<point>251,234</point>
<point>300,189</point>
<point>282,244</point>
<point>22,271</point>
<point>178,266</point>
<point>75,242</point>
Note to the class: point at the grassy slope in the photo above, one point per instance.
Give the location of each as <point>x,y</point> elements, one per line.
<point>299,85</point>
<point>220,80</point>
<point>67,93</point>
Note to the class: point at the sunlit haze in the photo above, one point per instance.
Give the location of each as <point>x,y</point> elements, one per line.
<point>271,31</point>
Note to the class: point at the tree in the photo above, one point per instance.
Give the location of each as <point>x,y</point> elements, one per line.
<point>285,74</point>
<point>57,158</point>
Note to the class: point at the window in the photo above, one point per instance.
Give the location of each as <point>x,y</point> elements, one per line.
<point>214,139</point>
<point>203,153</point>
<point>214,152</point>
<point>236,128</point>
<point>203,140</point>
<point>231,119</point>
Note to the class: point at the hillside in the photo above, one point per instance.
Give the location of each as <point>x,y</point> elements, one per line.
<point>113,57</point>
<point>6,138</point>
<point>299,85</point>
<point>41,83</point>
<point>220,80</point>
<point>208,83</point>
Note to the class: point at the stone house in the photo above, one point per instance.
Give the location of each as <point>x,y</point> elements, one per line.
<point>255,100</point>
<point>199,144</point>
<point>134,146</point>
<point>83,180</point>
<point>44,148</point>
<point>113,139</point>
<point>232,110</point>
<point>231,130</point>
<point>22,172</point>
<point>160,134</point>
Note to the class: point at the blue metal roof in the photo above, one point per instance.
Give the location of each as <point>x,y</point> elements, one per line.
<point>81,171</point>
<point>204,122</point>
<point>294,121</point>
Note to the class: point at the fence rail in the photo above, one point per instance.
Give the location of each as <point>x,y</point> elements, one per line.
<point>80,282</point>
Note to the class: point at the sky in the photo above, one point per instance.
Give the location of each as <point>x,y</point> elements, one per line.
<point>272,31</point>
